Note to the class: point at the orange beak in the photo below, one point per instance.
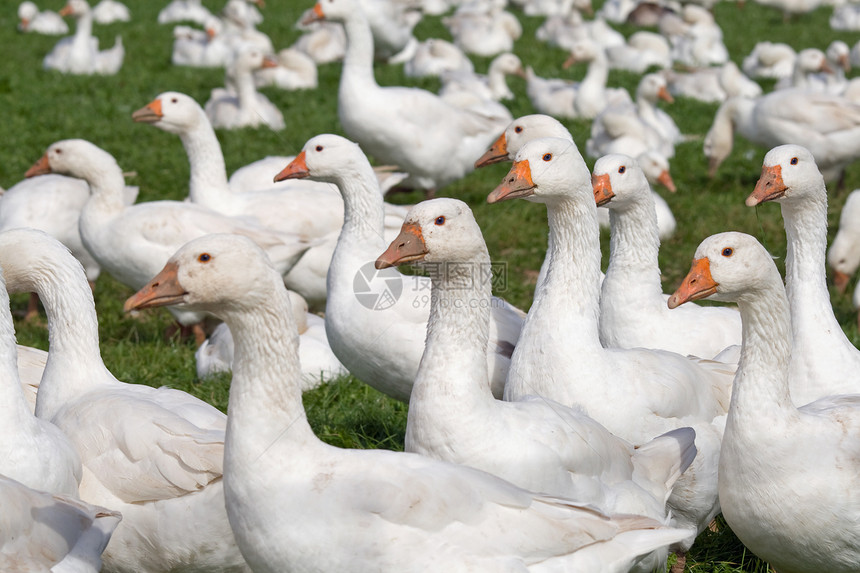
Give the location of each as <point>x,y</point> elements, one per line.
<point>497,153</point>
<point>211,33</point>
<point>602,189</point>
<point>163,290</point>
<point>666,180</point>
<point>697,284</point>
<point>269,62</point>
<point>66,10</point>
<point>41,167</point>
<point>840,281</point>
<point>571,59</point>
<point>664,95</point>
<point>516,184</point>
<point>150,113</point>
<point>315,16</point>
<point>297,169</point>
<point>769,187</point>
<point>408,246</point>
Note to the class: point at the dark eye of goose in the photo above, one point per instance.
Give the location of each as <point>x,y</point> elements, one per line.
<point>204,257</point>
<point>174,100</point>
<point>440,220</point>
<point>794,160</point>
<point>58,150</point>
<point>622,169</point>
<point>319,148</point>
<point>518,129</point>
<point>728,252</point>
<point>547,157</point>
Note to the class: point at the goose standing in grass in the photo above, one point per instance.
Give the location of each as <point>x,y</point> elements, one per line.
<point>788,475</point>
<point>443,516</point>
<point>379,335</point>
<point>128,240</point>
<point>824,362</point>
<point>35,452</point>
<point>828,125</point>
<point>153,454</point>
<point>80,54</point>
<point>411,128</point>
<point>638,317</point>
<point>652,391</point>
<point>43,531</point>
<point>48,22</point>
<point>239,104</point>
<point>534,443</point>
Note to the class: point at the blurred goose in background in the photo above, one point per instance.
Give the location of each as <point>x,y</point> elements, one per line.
<point>80,54</point>
<point>110,11</point>
<point>390,122</point>
<point>184,11</point>
<point>846,17</point>
<point>240,19</point>
<point>295,71</point>
<point>828,125</point>
<point>565,30</point>
<point>773,451</point>
<point>792,8</point>
<point>701,42</point>
<point>770,60</point>
<point>641,51</point>
<point>207,48</point>
<point>379,336</point>
<point>492,86</point>
<point>843,256</point>
<point>324,42</point>
<point>484,29</point>
<point>319,364</point>
<point>824,362</point>
<point>128,240</point>
<point>478,519</point>
<point>155,454</point>
<point>551,96</point>
<point>713,84</point>
<point>31,19</point>
<point>392,23</point>
<point>592,95</point>
<point>807,66</point>
<point>631,318</point>
<point>48,532</point>
<point>434,57</point>
<point>454,417</point>
<point>239,104</point>
<point>661,390</point>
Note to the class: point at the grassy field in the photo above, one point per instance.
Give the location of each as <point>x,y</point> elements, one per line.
<point>41,107</point>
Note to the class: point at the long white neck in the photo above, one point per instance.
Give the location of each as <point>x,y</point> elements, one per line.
<point>358,62</point>
<point>570,292</point>
<point>740,112</point>
<point>245,90</point>
<point>497,83</point>
<point>761,391</point>
<point>363,209</point>
<point>594,83</point>
<point>265,404</point>
<point>634,246</point>
<point>107,185</point>
<point>208,182</point>
<point>14,410</point>
<point>74,362</point>
<point>453,368</point>
<point>83,30</point>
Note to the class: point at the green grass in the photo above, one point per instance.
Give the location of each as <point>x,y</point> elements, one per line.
<point>41,107</point>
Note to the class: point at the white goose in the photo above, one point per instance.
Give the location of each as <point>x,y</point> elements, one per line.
<point>444,516</point>
<point>295,71</point>
<point>435,56</point>
<point>239,104</point>
<point>153,454</point>
<point>769,60</point>
<point>824,361</point>
<point>638,317</point>
<point>129,240</point>
<point>492,86</point>
<point>319,363</point>
<point>592,95</point>
<point>652,391</point>
<point>80,54</point>
<point>379,336</point>
<point>534,443</point>
<point>414,129</point>
<point>110,11</point>
<point>184,10</point>
<point>43,531</point>
<point>551,96</point>
<point>808,66</point>
<point>843,256</point>
<point>207,48</point>
<point>828,125</point>
<point>35,452</point>
<point>31,19</point>
<point>484,29</point>
<point>324,42</point>
<point>713,84</point>
<point>772,451</point>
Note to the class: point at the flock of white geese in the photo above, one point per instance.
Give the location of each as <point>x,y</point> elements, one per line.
<point>602,430</point>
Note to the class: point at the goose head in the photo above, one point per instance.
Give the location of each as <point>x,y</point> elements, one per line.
<point>520,131</point>
<point>75,8</point>
<point>27,11</point>
<point>173,112</point>
<point>656,169</point>
<point>324,158</point>
<point>812,60</point>
<point>726,266</point>
<point>332,10</point>
<point>435,231</point>
<point>788,172</point>
<point>652,87</point>
<point>508,63</point>
<point>839,53</point>
<point>546,170</point>
<point>217,273</point>
<point>618,182</point>
<point>248,58</point>
<point>582,51</point>
<point>74,157</point>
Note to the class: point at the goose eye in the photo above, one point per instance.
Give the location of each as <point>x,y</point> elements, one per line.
<point>319,148</point>
<point>728,252</point>
<point>58,150</point>
<point>518,129</point>
<point>794,160</point>
<point>174,100</point>
<point>440,220</point>
<point>622,169</point>
<point>547,157</point>
<point>204,257</point>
